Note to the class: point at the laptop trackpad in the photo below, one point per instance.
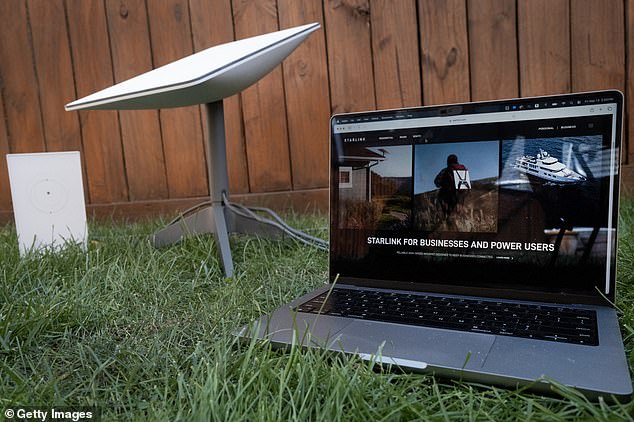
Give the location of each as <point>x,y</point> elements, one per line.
<point>308,329</point>
<point>436,347</point>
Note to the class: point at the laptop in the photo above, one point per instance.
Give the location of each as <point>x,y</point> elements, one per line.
<point>474,240</point>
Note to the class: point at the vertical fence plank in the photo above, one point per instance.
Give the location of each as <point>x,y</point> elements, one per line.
<point>213,26</point>
<point>140,129</point>
<point>100,129</point>
<point>263,106</point>
<point>54,70</point>
<point>444,50</point>
<point>181,127</point>
<point>493,49</point>
<point>306,77</point>
<point>349,55</point>
<point>597,50</point>
<point>395,53</point>
<point>628,125</point>
<point>18,80</point>
<point>5,191</point>
<point>55,74</point>
<point>544,46</point>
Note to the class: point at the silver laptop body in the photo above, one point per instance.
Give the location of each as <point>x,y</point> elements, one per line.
<point>502,208</point>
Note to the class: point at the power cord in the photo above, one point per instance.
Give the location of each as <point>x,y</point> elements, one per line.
<point>188,211</point>
<point>251,213</point>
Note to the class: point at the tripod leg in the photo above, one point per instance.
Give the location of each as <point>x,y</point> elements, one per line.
<point>240,224</point>
<point>210,219</point>
<point>222,239</point>
<point>198,223</point>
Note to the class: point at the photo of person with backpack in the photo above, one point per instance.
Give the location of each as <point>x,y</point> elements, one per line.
<point>453,185</point>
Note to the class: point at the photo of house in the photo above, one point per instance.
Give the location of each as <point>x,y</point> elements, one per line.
<point>375,183</point>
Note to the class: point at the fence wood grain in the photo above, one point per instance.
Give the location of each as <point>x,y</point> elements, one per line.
<point>213,26</point>
<point>263,107</point>
<point>170,34</point>
<point>305,76</point>
<point>140,129</point>
<point>99,129</point>
<point>20,87</point>
<point>54,69</point>
<point>492,49</point>
<point>544,46</point>
<point>349,55</point>
<point>5,191</point>
<point>628,124</point>
<point>395,53</point>
<point>369,54</point>
<point>597,49</point>
<point>444,51</point>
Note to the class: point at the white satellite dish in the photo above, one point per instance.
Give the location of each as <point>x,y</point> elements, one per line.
<point>205,78</point>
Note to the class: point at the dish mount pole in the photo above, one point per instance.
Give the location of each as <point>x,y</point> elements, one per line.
<point>217,217</point>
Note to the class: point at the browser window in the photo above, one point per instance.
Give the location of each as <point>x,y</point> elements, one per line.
<point>493,195</point>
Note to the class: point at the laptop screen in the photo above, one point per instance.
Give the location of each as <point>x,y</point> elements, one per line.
<point>512,198</point>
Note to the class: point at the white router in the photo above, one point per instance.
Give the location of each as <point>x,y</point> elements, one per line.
<point>206,78</point>
<point>48,200</point>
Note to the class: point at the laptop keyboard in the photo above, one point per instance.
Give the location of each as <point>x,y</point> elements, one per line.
<point>539,322</point>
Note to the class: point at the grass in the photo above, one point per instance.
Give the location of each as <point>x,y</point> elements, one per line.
<point>146,334</point>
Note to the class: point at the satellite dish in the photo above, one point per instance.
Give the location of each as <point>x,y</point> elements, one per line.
<point>204,77</point>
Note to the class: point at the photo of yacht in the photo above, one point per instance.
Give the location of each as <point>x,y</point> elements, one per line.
<point>547,167</point>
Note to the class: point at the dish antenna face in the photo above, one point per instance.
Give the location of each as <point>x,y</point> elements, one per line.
<point>204,77</point>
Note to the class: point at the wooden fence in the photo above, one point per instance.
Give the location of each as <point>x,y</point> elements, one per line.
<point>369,54</point>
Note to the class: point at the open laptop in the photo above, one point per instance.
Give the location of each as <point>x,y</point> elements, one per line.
<point>474,240</point>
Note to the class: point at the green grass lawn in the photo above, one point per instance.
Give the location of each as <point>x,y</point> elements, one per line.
<point>145,334</point>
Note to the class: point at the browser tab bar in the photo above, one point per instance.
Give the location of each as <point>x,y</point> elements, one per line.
<point>382,123</point>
